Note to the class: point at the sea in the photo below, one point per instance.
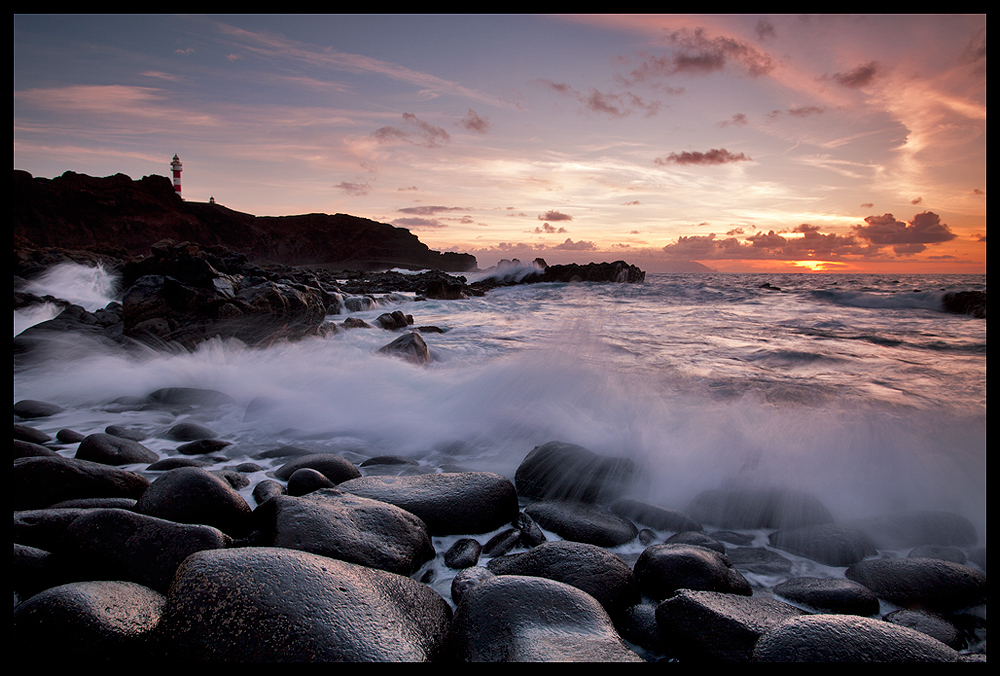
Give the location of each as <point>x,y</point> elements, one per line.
<point>857,388</point>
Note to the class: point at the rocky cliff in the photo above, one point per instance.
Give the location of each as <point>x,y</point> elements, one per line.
<point>76,211</point>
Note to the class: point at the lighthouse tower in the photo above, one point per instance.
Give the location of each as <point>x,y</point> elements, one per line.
<point>176,167</point>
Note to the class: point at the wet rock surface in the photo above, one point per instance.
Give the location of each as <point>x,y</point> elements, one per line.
<point>284,581</point>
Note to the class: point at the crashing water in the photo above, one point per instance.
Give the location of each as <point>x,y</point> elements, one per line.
<point>856,388</point>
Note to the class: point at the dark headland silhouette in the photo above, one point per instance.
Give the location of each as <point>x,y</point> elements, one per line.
<point>76,211</point>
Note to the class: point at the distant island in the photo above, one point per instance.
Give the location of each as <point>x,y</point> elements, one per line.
<point>116,215</point>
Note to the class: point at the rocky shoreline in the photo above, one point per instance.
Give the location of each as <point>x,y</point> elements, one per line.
<point>123,553</point>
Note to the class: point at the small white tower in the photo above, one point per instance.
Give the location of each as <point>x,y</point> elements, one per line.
<point>176,167</point>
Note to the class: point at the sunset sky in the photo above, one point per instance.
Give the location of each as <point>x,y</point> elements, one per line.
<point>743,142</point>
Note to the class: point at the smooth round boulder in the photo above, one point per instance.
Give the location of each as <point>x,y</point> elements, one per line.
<point>192,495</point>
<point>28,409</point>
<point>654,516</point>
<point>97,622</point>
<point>758,560</point>
<point>347,527</point>
<point>932,584</point>
<point>848,638</point>
<point>109,449</point>
<point>450,503</point>
<point>926,527</point>
<point>830,595</point>
<point>189,431</point>
<point>582,522</point>
<point>42,481</point>
<point>826,543</point>
<point>332,466</point>
<point>137,547</point>
<point>514,618</point>
<point>590,568</point>
<point>264,604</point>
<point>718,627</point>
<point>662,570</point>
<point>558,470</point>
<point>305,480</point>
<point>464,553</point>
<point>757,508</point>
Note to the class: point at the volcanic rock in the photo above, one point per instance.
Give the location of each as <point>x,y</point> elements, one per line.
<point>582,522</point>
<point>720,627</point>
<point>265,604</point>
<point>129,546</point>
<point>40,482</point>
<point>592,569</point>
<point>111,450</point>
<point>827,543</point>
<point>94,622</point>
<point>932,584</point>
<point>450,503</point>
<point>561,470</point>
<point>347,527</point>
<point>848,638</point>
<point>662,570</point>
<point>192,495</point>
<point>512,618</point>
<point>757,508</point>
<point>830,595</point>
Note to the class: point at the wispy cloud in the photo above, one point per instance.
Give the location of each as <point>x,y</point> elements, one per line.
<point>275,46</point>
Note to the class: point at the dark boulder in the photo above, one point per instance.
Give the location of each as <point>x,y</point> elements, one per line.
<point>830,595</point>
<point>466,579</point>
<point>29,409</point>
<point>619,271</point>
<point>334,467</point>
<point>848,638</point>
<point>410,346</point>
<point>592,569</point>
<point>909,529</point>
<point>346,527</point>
<point>561,470</point>
<point>582,522</point>
<point>30,434</point>
<point>512,618</point>
<point>112,450</point>
<point>189,431</point>
<point>932,624</point>
<point>125,545</point>
<point>265,604</point>
<point>192,495</point>
<point>965,303</point>
<point>718,627</point>
<point>654,516</point>
<point>109,622</point>
<point>826,543</point>
<point>27,449</point>
<point>40,482</point>
<point>758,560</point>
<point>696,538</point>
<point>662,570</point>
<point>305,480</point>
<point>932,584</point>
<point>450,503</point>
<point>464,553</point>
<point>757,508</point>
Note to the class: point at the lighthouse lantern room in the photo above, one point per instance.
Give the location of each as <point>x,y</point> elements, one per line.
<point>176,167</point>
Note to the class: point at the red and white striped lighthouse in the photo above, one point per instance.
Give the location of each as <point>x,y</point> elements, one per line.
<point>176,166</point>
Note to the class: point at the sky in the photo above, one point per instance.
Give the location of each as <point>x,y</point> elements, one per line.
<point>746,143</point>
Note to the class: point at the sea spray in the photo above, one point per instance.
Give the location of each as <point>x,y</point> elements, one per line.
<point>701,380</point>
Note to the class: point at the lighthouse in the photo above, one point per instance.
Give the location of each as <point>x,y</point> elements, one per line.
<point>176,167</point>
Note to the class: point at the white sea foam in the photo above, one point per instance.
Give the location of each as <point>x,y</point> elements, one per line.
<point>701,379</point>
